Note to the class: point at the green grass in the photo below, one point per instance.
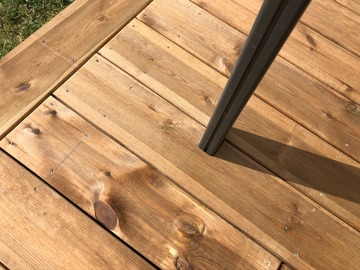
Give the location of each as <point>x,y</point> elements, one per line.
<point>20,18</point>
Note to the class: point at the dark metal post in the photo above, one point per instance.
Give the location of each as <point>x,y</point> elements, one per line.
<point>272,27</point>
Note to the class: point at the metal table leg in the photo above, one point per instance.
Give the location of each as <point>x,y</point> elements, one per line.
<point>272,27</point>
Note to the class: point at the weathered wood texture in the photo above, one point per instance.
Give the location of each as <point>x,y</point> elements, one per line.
<point>31,72</point>
<point>42,230</point>
<point>306,48</point>
<point>127,196</point>
<point>282,219</point>
<point>282,145</point>
<point>352,5</point>
<point>335,22</point>
<point>287,88</point>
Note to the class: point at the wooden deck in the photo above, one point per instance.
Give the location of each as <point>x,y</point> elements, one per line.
<point>101,113</point>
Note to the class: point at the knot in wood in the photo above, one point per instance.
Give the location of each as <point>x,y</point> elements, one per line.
<point>330,115</point>
<point>105,214</point>
<point>36,131</point>
<point>189,227</point>
<point>311,40</point>
<point>353,108</point>
<point>294,219</point>
<point>182,263</point>
<point>23,87</point>
<point>167,124</point>
<point>208,100</point>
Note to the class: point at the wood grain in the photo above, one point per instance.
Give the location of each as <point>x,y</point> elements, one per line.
<point>41,230</point>
<point>335,22</point>
<point>127,196</point>
<point>352,5</point>
<point>285,267</point>
<point>293,92</point>
<point>31,72</point>
<point>282,219</point>
<point>307,49</point>
<point>268,136</point>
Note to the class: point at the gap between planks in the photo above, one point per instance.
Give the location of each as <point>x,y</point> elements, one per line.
<point>262,132</point>
<point>161,127</point>
<point>162,222</point>
<point>36,234</point>
<point>197,40</point>
<point>40,64</point>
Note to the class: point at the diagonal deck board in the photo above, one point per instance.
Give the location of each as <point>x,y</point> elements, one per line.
<point>194,87</point>
<point>352,5</point>
<point>247,195</point>
<point>335,22</point>
<point>305,48</point>
<point>154,216</point>
<point>280,136</point>
<point>287,88</point>
<point>40,64</point>
<point>41,230</point>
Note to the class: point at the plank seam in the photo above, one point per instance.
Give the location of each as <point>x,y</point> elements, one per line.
<point>3,266</point>
<point>269,169</point>
<point>279,54</point>
<point>60,81</point>
<point>148,87</point>
<point>330,214</point>
<point>309,130</point>
<point>331,39</point>
<point>341,4</point>
<point>227,140</point>
<point>201,202</point>
<point>233,145</point>
<point>331,89</point>
<point>43,181</point>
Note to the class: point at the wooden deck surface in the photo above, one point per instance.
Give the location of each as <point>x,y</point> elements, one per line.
<point>105,172</point>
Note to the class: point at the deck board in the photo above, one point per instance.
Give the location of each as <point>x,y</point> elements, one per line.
<point>51,55</point>
<point>290,88</point>
<point>286,181</point>
<point>41,230</point>
<point>352,5</point>
<point>194,87</point>
<point>144,208</point>
<point>230,184</point>
<point>318,15</point>
<point>307,49</point>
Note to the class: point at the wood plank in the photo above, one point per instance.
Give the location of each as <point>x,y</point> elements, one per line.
<point>194,87</point>
<point>144,208</point>
<point>335,22</point>
<point>41,230</point>
<point>31,72</point>
<point>296,88</point>
<point>312,52</point>
<point>282,219</point>
<point>352,5</point>
<point>285,267</point>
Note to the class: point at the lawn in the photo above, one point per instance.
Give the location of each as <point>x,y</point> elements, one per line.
<point>20,18</point>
